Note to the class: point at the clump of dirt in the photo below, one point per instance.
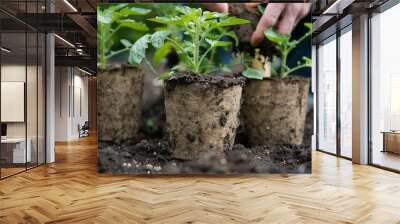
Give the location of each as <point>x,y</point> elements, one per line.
<point>239,10</point>
<point>153,120</point>
<point>244,32</point>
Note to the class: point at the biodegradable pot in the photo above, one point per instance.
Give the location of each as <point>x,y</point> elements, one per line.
<point>274,110</point>
<point>119,98</point>
<point>202,114</point>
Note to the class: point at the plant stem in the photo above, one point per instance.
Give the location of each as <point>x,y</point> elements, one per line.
<point>180,48</point>
<point>117,52</point>
<point>152,69</point>
<point>204,55</point>
<point>295,69</point>
<point>196,46</point>
<point>102,50</point>
<point>284,60</point>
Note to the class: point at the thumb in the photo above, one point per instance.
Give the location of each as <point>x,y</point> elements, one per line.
<point>217,7</point>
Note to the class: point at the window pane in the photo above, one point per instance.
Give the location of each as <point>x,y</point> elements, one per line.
<point>346,94</point>
<point>327,97</point>
<point>386,89</point>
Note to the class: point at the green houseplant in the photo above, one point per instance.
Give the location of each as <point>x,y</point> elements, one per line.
<point>119,85</point>
<point>275,102</point>
<point>201,108</point>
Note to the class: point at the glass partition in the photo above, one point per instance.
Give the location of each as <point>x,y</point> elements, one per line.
<point>14,143</point>
<point>22,77</point>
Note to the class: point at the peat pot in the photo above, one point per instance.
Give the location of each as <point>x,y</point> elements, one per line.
<point>274,110</point>
<point>119,96</point>
<point>202,114</point>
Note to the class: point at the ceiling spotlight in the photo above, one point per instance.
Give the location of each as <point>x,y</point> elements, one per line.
<point>70,5</point>
<point>5,50</point>
<point>65,41</point>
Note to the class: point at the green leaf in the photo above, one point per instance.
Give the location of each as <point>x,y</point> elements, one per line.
<point>231,21</point>
<point>158,38</point>
<point>212,15</point>
<point>184,9</point>
<point>126,43</point>
<point>161,53</point>
<point>138,50</point>
<point>130,23</point>
<point>139,11</point>
<point>261,8</point>
<point>104,16</point>
<point>232,35</point>
<point>217,43</point>
<point>253,74</point>
<point>165,75</point>
<point>308,25</point>
<point>307,60</point>
<point>165,20</point>
<point>275,37</point>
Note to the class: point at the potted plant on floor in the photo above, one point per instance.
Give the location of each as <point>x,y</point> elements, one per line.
<point>275,104</point>
<point>119,86</point>
<point>202,106</point>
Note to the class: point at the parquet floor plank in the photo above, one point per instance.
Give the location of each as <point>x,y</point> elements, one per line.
<point>71,191</point>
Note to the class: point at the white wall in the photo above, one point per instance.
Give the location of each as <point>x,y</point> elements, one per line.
<point>71,93</point>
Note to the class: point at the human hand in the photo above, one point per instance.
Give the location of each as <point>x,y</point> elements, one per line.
<point>283,16</point>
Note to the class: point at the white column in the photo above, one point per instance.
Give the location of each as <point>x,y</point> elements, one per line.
<point>50,99</point>
<point>360,90</point>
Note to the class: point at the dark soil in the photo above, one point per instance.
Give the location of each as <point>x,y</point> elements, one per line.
<point>244,32</point>
<point>153,120</point>
<point>222,81</point>
<point>155,157</point>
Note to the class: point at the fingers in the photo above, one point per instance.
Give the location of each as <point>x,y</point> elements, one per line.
<point>292,15</point>
<point>268,19</point>
<point>251,5</point>
<point>217,7</point>
<point>290,18</point>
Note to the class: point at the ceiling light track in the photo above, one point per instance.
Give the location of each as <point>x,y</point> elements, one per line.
<point>65,41</point>
<point>70,6</point>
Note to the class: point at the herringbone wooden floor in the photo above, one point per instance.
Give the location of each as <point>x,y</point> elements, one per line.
<point>70,191</point>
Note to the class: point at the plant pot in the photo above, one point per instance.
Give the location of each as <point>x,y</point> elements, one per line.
<point>119,98</point>
<point>274,110</point>
<point>202,114</point>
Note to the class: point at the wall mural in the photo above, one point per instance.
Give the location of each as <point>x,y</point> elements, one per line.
<point>183,89</point>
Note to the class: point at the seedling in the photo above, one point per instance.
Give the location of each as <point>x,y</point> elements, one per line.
<point>195,35</point>
<point>284,46</point>
<point>109,21</point>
